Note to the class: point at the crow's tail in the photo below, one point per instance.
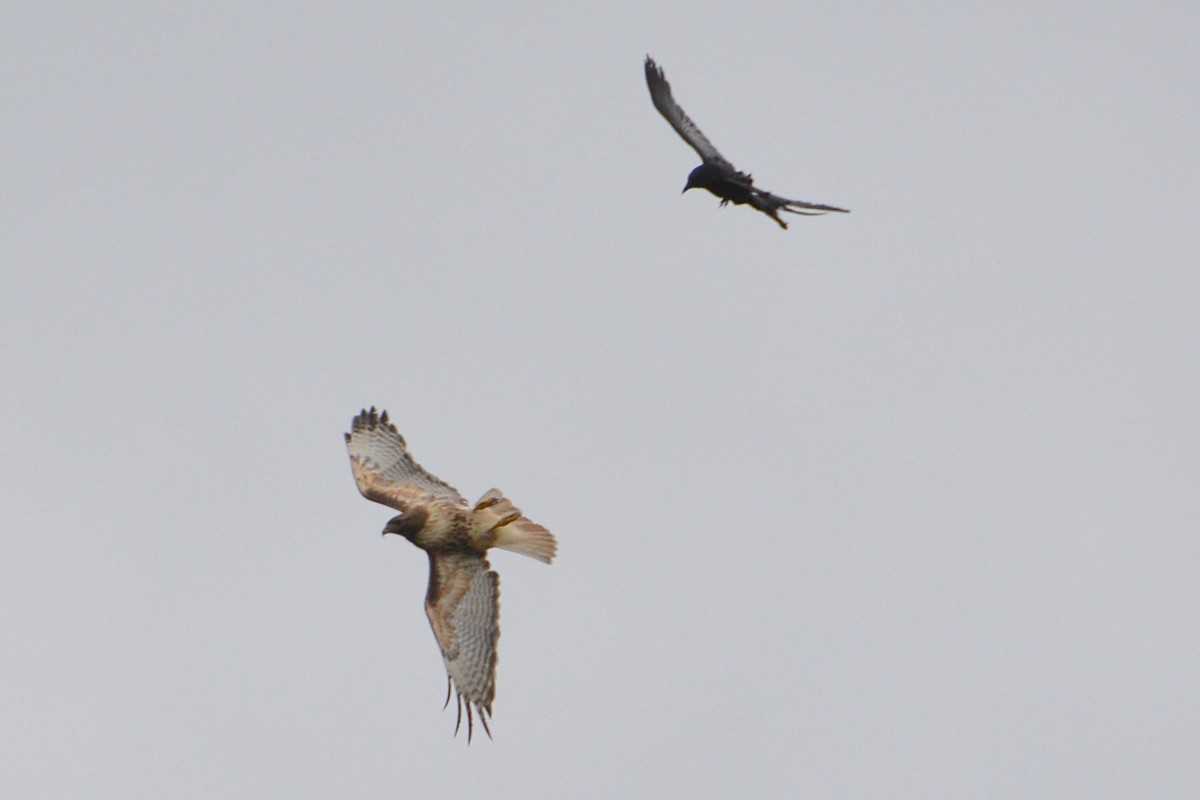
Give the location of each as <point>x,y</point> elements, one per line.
<point>772,204</point>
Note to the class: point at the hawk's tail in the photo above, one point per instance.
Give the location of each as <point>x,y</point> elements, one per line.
<point>496,516</point>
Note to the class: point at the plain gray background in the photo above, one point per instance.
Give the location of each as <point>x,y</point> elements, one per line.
<point>895,504</point>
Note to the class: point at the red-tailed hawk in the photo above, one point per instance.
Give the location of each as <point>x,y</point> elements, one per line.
<point>462,601</point>
<point>716,174</point>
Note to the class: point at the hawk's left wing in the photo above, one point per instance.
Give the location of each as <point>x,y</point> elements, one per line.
<point>463,606</point>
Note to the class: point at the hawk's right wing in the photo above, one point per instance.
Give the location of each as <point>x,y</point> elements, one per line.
<point>664,101</point>
<point>385,471</point>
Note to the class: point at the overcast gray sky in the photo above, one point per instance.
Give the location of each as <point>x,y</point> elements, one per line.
<point>895,504</point>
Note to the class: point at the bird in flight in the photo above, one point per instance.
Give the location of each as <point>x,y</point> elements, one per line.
<point>462,601</point>
<point>716,173</point>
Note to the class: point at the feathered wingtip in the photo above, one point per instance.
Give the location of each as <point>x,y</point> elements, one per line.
<point>501,524</point>
<point>369,421</point>
<point>484,713</point>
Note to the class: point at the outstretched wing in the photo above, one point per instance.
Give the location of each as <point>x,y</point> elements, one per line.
<point>385,471</point>
<point>664,101</point>
<point>463,605</point>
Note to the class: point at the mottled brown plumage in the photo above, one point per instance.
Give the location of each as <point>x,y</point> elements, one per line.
<point>462,600</point>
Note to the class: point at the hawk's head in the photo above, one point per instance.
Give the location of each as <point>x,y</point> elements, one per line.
<point>407,525</point>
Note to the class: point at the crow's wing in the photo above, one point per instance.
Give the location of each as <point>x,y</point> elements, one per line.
<point>664,101</point>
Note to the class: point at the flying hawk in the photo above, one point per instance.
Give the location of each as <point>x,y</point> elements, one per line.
<point>716,174</point>
<point>463,595</point>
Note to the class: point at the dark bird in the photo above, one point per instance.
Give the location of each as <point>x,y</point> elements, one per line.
<point>716,173</point>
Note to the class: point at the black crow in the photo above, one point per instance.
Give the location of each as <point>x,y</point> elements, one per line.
<point>716,174</point>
